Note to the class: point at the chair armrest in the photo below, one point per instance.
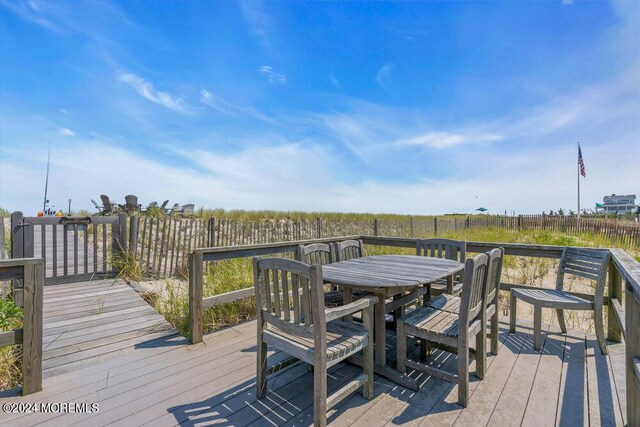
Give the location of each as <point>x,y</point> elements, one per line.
<point>338,312</point>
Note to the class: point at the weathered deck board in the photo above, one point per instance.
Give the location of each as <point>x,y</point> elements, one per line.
<point>92,321</point>
<point>166,381</point>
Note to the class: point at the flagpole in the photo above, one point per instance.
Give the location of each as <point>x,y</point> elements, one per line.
<point>578,167</point>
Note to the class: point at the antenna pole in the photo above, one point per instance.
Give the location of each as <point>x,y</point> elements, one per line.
<point>46,182</point>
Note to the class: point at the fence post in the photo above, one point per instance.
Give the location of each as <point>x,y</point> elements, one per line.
<point>32,328</point>
<point>122,229</point>
<point>467,222</point>
<point>17,235</point>
<point>411,226</point>
<point>615,292</point>
<point>133,235</point>
<point>3,244</point>
<point>212,232</point>
<point>318,225</point>
<point>435,226</point>
<point>519,222</point>
<point>195,297</point>
<point>375,226</point>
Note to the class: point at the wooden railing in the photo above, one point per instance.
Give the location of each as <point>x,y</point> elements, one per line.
<point>27,276</point>
<point>622,323</point>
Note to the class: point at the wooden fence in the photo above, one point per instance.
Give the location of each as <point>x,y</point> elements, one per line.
<point>162,245</point>
<point>623,270</point>
<point>27,276</point>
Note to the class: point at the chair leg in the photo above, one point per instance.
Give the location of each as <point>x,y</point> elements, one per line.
<point>512,314</point>
<point>599,326</point>
<point>401,348</point>
<point>463,373</point>
<point>561,322</point>
<point>537,327</point>
<point>261,368</point>
<point>367,353</point>
<point>347,297</point>
<point>481,352</point>
<point>320,394</point>
<point>494,331</point>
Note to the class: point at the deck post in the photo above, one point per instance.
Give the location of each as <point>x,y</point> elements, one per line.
<point>614,332</point>
<point>17,235</point>
<point>133,234</point>
<point>195,297</point>
<point>122,230</point>
<point>32,328</point>
<point>632,350</point>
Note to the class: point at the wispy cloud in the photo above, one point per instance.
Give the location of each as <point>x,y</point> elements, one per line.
<point>146,90</point>
<point>226,107</point>
<point>272,76</point>
<point>258,20</point>
<point>383,75</point>
<point>448,140</point>
<point>66,132</point>
<point>216,102</point>
<point>335,82</point>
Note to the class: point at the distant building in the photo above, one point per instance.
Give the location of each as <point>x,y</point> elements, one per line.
<point>617,204</point>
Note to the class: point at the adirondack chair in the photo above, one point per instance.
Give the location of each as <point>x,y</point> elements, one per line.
<point>130,203</point>
<point>321,254</point>
<point>451,304</point>
<point>586,263</point>
<point>292,318</point>
<point>164,204</point>
<point>188,209</point>
<point>448,249</point>
<point>451,330</point>
<point>175,209</point>
<point>97,206</point>
<point>107,207</point>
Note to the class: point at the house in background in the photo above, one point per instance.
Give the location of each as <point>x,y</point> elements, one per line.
<point>617,204</point>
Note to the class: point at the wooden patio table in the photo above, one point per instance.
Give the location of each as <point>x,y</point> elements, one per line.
<point>389,276</point>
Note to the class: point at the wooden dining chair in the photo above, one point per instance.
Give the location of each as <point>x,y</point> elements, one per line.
<point>490,314</point>
<point>349,249</point>
<point>292,318</point>
<point>451,330</point>
<point>586,263</point>
<point>444,248</point>
<point>321,254</point>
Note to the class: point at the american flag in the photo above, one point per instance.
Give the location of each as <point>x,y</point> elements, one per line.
<point>581,163</point>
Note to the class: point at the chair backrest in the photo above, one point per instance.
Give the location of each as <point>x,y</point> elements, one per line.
<point>349,249</point>
<point>493,276</point>
<point>443,248</point>
<point>106,204</point>
<point>475,277</point>
<point>316,253</point>
<point>175,207</point>
<point>289,295</point>
<point>96,204</point>
<point>188,209</point>
<point>586,263</point>
<point>131,201</point>
<point>164,204</point>
<point>152,205</point>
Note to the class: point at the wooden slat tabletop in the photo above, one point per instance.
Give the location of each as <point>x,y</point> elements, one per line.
<point>389,271</point>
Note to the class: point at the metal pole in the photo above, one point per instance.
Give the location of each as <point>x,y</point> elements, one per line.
<point>578,168</point>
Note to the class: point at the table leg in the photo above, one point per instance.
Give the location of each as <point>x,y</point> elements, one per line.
<point>398,312</point>
<point>380,330</point>
<point>424,346</point>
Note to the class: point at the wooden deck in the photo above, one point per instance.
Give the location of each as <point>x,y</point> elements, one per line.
<point>159,379</point>
<point>87,322</point>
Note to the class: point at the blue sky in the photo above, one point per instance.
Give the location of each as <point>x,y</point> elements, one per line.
<point>412,107</point>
